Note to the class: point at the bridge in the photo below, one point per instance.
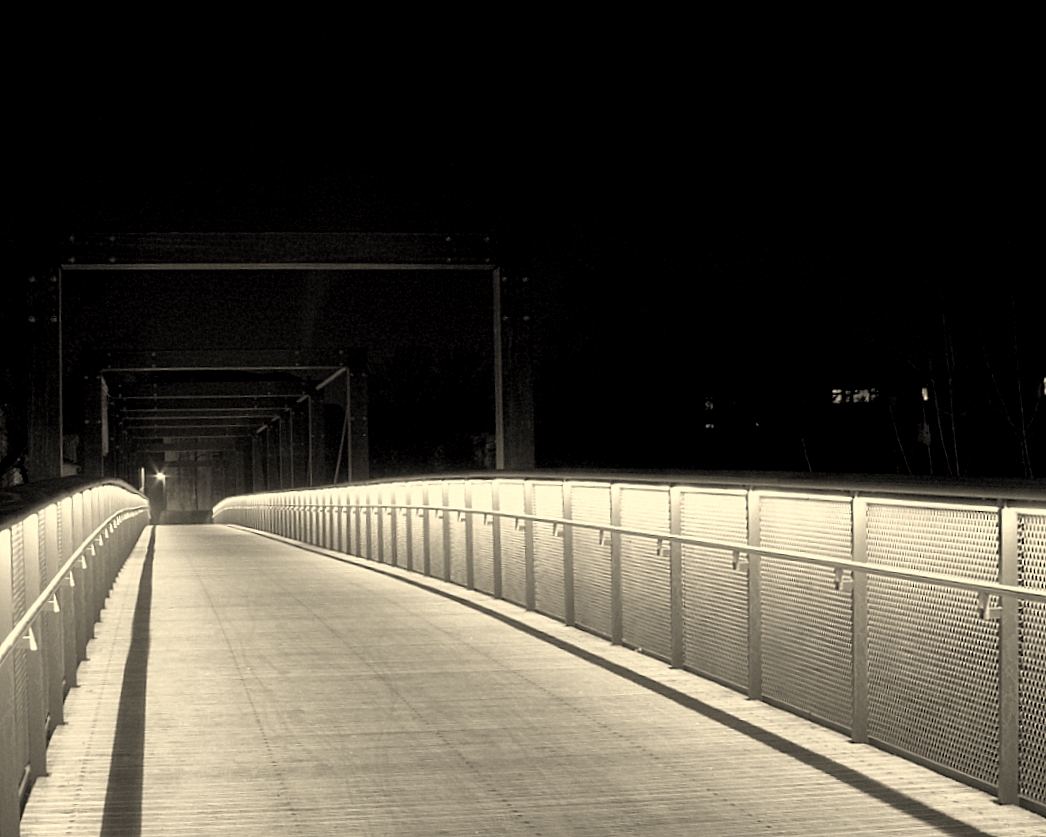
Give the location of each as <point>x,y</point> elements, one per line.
<point>506,651</point>
<point>527,654</point>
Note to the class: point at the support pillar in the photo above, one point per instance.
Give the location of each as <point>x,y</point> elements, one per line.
<point>44,460</point>
<point>283,429</point>
<point>318,466</point>
<point>257,473</point>
<point>96,426</point>
<point>513,372</point>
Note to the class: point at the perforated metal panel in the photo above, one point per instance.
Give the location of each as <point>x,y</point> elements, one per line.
<point>513,544</point>
<point>1031,563</point>
<point>591,504</point>
<point>399,519</point>
<point>482,538</point>
<point>435,530</point>
<point>933,668</point>
<point>548,550</point>
<point>806,635</point>
<point>715,595</point>
<point>645,575</point>
<point>458,565</point>
<point>18,606</point>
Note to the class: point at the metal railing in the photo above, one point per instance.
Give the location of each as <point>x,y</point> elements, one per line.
<point>911,621</point>
<point>60,551</point>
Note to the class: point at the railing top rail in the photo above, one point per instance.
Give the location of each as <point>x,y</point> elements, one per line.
<point>20,501</point>
<point>7,645</point>
<point>994,489</point>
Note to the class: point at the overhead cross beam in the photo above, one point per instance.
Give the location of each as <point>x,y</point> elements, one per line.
<point>277,251</point>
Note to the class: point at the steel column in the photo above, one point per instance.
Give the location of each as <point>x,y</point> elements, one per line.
<point>568,557</point>
<point>1009,663</point>
<point>755,603</point>
<point>675,570</point>
<point>859,623</point>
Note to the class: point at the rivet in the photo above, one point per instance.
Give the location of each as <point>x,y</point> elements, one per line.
<point>54,319</point>
<point>112,238</point>
<point>526,318</point>
<point>504,319</point>
<point>448,258</point>
<point>32,278</point>
<point>112,260</point>
<point>72,238</point>
<point>524,278</point>
<point>72,259</point>
<point>448,238</point>
<point>486,239</point>
<point>32,319</point>
<point>54,278</point>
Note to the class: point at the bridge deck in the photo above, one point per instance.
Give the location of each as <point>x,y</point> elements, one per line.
<point>272,690</point>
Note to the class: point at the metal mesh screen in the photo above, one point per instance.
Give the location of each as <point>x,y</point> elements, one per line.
<point>933,665</point>
<point>591,504</point>
<point>645,575</point>
<point>1031,562</point>
<point>482,538</point>
<point>458,565</point>
<point>806,635</point>
<point>513,545</point>
<point>715,595</point>
<point>548,550</point>
<point>18,605</point>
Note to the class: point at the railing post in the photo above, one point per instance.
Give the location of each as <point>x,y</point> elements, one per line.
<point>426,531</point>
<point>36,671</point>
<point>469,573</point>
<point>859,623</point>
<point>82,596</point>
<point>675,570</point>
<point>616,612</point>
<point>755,603</point>
<point>10,769</point>
<point>568,557</point>
<point>446,531</point>
<point>409,535</point>
<point>370,555</point>
<point>53,622</point>
<point>495,504</point>
<point>67,595</point>
<point>393,540</point>
<point>1009,663</point>
<point>380,512</point>
<point>528,546</point>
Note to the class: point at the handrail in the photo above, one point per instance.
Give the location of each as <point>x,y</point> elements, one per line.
<point>958,582</point>
<point>18,631</point>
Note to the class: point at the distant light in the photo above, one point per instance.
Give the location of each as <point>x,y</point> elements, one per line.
<point>837,396</point>
<point>160,476</point>
<point>926,394</point>
<point>709,426</point>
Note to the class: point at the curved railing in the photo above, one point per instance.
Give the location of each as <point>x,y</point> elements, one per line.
<point>61,545</point>
<point>910,616</point>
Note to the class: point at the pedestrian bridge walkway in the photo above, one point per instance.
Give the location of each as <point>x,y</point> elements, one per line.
<point>239,683</point>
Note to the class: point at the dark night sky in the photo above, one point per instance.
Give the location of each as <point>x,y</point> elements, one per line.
<point>669,255</point>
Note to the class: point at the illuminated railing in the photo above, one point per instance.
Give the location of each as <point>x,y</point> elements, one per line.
<point>907,619</point>
<point>60,550</point>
